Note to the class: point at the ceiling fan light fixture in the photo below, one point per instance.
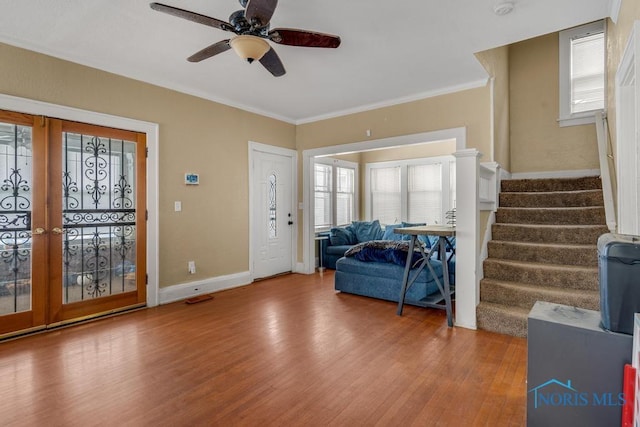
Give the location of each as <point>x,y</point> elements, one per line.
<point>248,47</point>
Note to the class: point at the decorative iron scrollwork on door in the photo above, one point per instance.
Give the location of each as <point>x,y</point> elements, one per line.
<point>99,216</point>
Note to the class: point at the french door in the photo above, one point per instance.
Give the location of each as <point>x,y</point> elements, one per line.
<point>72,221</point>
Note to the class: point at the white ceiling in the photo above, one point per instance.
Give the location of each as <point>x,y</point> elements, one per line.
<point>391,51</point>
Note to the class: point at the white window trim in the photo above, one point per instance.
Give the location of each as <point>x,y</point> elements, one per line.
<point>336,163</point>
<point>403,164</point>
<point>586,117</point>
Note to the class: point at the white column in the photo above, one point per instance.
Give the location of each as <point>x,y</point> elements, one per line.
<point>467,229</point>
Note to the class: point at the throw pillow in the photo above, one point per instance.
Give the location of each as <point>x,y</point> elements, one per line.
<point>339,236</point>
<point>390,235</point>
<point>367,230</point>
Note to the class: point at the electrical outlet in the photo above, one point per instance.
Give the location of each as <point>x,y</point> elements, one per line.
<point>192,267</point>
<point>177,206</point>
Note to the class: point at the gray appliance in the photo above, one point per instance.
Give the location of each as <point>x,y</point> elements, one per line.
<point>619,276</point>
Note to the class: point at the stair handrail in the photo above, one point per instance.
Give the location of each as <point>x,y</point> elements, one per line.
<point>605,172</point>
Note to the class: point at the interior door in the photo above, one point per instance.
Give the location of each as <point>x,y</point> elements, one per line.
<point>72,221</point>
<point>273,216</point>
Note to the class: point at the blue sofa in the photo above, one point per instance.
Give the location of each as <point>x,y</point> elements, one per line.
<point>379,274</point>
<point>340,239</point>
<point>383,280</point>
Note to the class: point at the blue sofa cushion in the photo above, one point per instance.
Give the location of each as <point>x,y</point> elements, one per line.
<point>367,230</point>
<point>385,270</point>
<point>390,235</point>
<point>385,251</point>
<point>339,236</point>
<point>338,250</point>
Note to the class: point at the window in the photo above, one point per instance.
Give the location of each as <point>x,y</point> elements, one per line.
<point>323,187</point>
<point>335,183</point>
<point>424,193</point>
<point>416,191</point>
<point>345,195</point>
<point>582,73</point>
<point>386,194</point>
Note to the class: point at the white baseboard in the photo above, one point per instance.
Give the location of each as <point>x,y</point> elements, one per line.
<point>556,174</point>
<point>187,290</point>
<point>300,268</point>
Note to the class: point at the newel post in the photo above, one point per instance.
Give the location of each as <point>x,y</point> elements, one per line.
<point>467,236</point>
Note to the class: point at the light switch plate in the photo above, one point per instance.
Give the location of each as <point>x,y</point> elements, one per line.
<point>177,206</point>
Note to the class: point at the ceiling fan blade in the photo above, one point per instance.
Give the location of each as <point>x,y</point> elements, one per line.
<point>271,62</point>
<point>209,51</point>
<point>260,11</point>
<point>192,16</point>
<point>293,37</point>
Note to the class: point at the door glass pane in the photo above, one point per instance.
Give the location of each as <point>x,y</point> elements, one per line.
<point>98,217</point>
<point>15,218</point>
<point>273,226</point>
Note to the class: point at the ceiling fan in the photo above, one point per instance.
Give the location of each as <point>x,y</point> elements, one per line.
<point>251,26</point>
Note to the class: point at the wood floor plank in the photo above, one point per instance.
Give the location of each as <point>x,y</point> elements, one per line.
<point>283,351</point>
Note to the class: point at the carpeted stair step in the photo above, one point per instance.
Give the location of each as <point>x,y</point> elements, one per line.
<point>586,255</point>
<point>536,233</point>
<point>502,319</point>
<point>562,276</point>
<point>556,184</point>
<point>554,199</point>
<point>525,295</point>
<point>558,216</point>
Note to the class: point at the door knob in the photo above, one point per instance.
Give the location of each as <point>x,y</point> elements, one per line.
<point>57,230</point>
<point>39,230</point>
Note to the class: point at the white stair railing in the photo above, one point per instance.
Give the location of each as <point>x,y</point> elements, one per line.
<point>605,172</point>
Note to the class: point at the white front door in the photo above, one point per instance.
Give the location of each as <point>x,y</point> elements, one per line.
<point>273,214</point>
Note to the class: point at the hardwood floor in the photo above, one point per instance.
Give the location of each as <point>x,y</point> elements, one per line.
<point>287,351</point>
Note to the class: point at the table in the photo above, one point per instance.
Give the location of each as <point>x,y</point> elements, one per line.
<point>443,233</point>
<point>319,239</point>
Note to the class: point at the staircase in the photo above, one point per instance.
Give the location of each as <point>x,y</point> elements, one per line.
<point>543,249</point>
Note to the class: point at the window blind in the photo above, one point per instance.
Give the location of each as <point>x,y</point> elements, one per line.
<point>587,73</point>
<point>322,184</point>
<point>345,194</point>
<point>386,196</point>
<point>424,193</point>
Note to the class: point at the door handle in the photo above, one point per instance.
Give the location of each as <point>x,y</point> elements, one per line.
<point>290,222</point>
<point>57,230</point>
<point>39,230</point>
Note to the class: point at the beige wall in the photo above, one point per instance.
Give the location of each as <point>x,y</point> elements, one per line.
<point>537,143</point>
<point>196,135</point>
<point>496,62</point>
<point>469,108</point>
